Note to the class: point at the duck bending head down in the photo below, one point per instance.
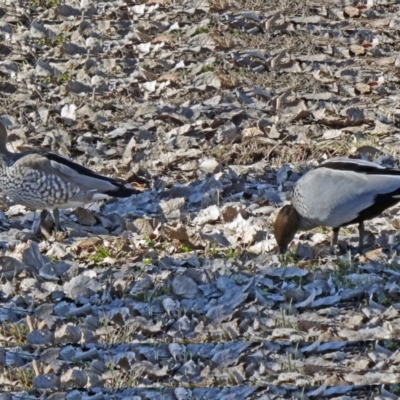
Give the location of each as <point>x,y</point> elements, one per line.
<point>338,193</point>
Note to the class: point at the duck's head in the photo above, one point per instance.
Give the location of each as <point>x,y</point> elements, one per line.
<point>285,227</point>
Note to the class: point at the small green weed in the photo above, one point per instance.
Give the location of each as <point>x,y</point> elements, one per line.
<point>185,248</point>
<point>285,319</point>
<point>59,39</point>
<point>17,332</point>
<point>51,42</point>
<point>107,141</point>
<point>100,255</point>
<point>53,259</point>
<point>395,389</point>
<point>214,252</point>
<point>345,266</point>
<point>146,261</point>
<point>391,345</point>
<point>177,33</point>
<point>150,243</point>
<point>232,253</point>
<point>47,80</point>
<point>41,41</point>
<point>181,71</point>
<point>202,29</point>
<point>384,300</point>
<point>64,78</point>
<point>207,68</point>
<point>25,377</point>
<point>289,258</point>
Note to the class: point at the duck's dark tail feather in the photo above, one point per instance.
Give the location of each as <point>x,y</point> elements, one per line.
<point>381,203</point>
<point>122,191</point>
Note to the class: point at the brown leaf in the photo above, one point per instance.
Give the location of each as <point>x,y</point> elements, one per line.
<point>373,255</point>
<point>172,208</point>
<point>362,88</point>
<point>230,212</point>
<point>357,50</point>
<point>168,77</point>
<point>252,132</point>
<point>310,369</point>
<point>88,244</point>
<point>178,232</point>
<point>380,23</point>
<point>352,12</point>
<point>142,226</point>
<point>387,60</point>
<point>85,217</point>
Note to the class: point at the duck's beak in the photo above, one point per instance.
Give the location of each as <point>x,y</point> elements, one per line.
<point>283,249</point>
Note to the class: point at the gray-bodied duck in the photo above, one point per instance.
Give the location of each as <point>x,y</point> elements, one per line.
<point>337,193</point>
<point>42,180</point>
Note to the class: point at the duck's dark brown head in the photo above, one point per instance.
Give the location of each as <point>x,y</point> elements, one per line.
<point>285,227</point>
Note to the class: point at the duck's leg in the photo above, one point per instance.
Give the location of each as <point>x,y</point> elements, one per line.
<point>43,216</point>
<point>43,229</point>
<point>36,224</point>
<point>334,240</point>
<point>361,231</point>
<point>335,236</point>
<point>56,214</point>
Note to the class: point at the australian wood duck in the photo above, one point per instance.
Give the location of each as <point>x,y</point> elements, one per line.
<point>337,193</point>
<point>41,179</point>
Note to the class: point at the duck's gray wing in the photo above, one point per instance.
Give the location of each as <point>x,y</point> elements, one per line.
<point>73,173</point>
<point>334,198</point>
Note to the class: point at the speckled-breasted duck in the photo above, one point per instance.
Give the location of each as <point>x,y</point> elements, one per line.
<point>337,193</point>
<point>41,180</point>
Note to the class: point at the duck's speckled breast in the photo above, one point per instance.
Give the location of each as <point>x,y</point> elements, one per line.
<point>35,189</point>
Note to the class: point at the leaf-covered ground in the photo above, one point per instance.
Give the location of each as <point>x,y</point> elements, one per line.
<point>213,109</point>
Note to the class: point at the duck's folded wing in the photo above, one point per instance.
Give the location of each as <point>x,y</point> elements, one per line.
<point>68,171</point>
<point>360,166</point>
<point>379,193</point>
<point>336,198</point>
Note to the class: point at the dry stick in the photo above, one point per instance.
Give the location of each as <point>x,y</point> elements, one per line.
<point>274,147</point>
